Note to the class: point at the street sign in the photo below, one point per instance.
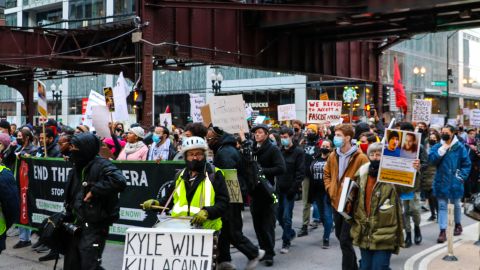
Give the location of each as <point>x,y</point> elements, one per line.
<point>439,83</point>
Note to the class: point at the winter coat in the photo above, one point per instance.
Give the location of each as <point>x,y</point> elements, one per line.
<point>453,169</point>
<point>53,150</point>
<point>290,181</point>
<point>226,156</point>
<point>9,201</point>
<point>270,159</point>
<point>382,230</point>
<point>333,185</point>
<point>140,154</point>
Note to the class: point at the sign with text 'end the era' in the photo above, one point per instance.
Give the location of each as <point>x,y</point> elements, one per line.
<point>326,112</point>
<point>162,248</point>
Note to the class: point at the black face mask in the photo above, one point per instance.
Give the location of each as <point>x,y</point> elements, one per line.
<point>324,151</point>
<point>432,142</point>
<point>312,137</point>
<point>373,169</point>
<point>445,137</point>
<point>78,159</point>
<point>19,141</point>
<point>196,165</point>
<point>420,130</point>
<point>296,129</point>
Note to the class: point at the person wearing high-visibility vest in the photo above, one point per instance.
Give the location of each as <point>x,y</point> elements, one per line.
<point>9,201</point>
<point>200,190</point>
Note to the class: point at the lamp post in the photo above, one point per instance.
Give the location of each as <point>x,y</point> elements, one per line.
<point>419,72</point>
<point>216,79</point>
<point>449,76</point>
<point>57,95</point>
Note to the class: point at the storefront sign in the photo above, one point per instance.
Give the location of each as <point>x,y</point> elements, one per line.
<point>287,112</point>
<point>401,149</point>
<point>326,112</point>
<point>228,112</point>
<point>349,94</point>
<point>422,110</point>
<point>258,104</point>
<point>475,117</point>
<point>168,248</point>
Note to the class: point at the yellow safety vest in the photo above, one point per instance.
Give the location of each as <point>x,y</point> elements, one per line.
<point>204,196</point>
<point>3,222</point>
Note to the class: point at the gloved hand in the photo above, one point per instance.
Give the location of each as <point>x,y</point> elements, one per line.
<point>147,205</point>
<point>200,217</point>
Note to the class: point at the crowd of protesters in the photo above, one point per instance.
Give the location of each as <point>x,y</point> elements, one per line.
<point>308,161</point>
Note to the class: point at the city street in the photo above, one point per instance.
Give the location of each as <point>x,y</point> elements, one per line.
<point>306,252</point>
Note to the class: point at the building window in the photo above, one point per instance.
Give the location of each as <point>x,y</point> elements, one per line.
<point>11,4</point>
<point>94,10</point>
<point>11,19</point>
<point>49,17</point>
<point>75,106</point>
<point>123,7</point>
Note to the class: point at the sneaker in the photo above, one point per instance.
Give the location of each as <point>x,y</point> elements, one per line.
<point>226,266</point>
<point>432,218</point>
<point>36,245</point>
<point>458,230</point>
<point>50,256</point>
<point>269,262</point>
<point>285,248</point>
<point>22,244</point>
<point>13,231</point>
<point>326,244</point>
<point>253,262</point>
<point>42,249</point>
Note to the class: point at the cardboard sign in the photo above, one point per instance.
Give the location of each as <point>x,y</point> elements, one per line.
<point>100,119</point>
<point>228,113</point>
<point>108,93</point>
<point>93,99</point>
<point>475,117</point>
<point>324,112</point>
<point>286,112</point>
<point>206,115</point>
<point>422,111</point>
<point>233,186</point>
<point>166,120</point>
<point>167,248</point>
<point>401,149</point>
<point>196,103</point>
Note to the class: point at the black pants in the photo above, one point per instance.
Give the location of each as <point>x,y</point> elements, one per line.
<point>342,232</point>
<point>231,233</point>
<point>432,202</point>
<point>263,215</point>
<point>85,250</point>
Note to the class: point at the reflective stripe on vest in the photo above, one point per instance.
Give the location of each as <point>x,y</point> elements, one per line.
<point>3,222</point>
<point>204,196</point>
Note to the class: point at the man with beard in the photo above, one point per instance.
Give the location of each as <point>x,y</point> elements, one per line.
<point>91,202</point>
<point>226,156</point>
<point>48,138</point>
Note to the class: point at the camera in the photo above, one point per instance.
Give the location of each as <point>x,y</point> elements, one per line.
<point>72,229</point>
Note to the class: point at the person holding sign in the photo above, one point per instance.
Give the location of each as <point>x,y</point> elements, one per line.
<point>453,168</point>
<point>199,192</point>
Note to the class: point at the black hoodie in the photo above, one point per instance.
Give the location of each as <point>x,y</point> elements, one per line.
<point>270,159</point>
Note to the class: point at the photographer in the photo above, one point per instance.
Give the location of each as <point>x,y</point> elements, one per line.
<point>91,202</point>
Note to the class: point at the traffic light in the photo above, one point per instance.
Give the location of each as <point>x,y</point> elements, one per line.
<point>386,97</point>
<point>136,98</point>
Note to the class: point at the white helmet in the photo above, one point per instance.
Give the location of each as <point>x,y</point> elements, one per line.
<point>194,142</point>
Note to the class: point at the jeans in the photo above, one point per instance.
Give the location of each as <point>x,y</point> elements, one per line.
<point>342,231</point>
<point>24,234</point>
<point>284,217</point>
<point>263,216</point>
<point>375,259</point>
<point>326,213</point>
<point>316,212</point>
<point>443,212</point>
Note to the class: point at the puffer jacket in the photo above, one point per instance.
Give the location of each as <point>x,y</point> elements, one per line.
<point>9,201</point>
<point>453,170</point>
<point>382,230</point>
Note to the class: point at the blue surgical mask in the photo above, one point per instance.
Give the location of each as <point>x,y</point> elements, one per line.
<point>338,141</point>
<point>285,142</point>
<point>155,138</point>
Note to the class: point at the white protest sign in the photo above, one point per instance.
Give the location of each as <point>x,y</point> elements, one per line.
<point>196,103</point>
<point>100,119</point>
<point>437,119</point>
<point>94,99</point>
<point>324,112</point>
<point>248,111</point>
<point>120,93</point>
<point>422,111</point>
<point>166,120</point>
<point>286,112</point>
<point>475,117</point>
<point>228,112</point>
<point>162,248</point>
<point>259,120</point>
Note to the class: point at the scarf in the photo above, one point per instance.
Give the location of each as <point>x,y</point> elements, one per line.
<point>160,151</point>
<point>133,147</point>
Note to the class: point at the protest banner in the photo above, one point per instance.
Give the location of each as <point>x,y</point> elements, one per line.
<point>233,186</point>
<point>167,248</point>
<point>94,98</point>
<point>228,113</point>
<point>286,112</point>
<point>166,120</point>
<point>196,103</point>
<point>475,117</point>
<point>108,93</point>
<point>84,107</point>
<point>206,115</point>
<point>100,121</point>
<point>120,94</point>
<point>422,111</point>
<point>43,182</point>
<point>401,149</point>
<point>326,112</point>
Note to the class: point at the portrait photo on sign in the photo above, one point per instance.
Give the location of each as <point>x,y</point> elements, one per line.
<point>393,143</point>
<point>410,145</point>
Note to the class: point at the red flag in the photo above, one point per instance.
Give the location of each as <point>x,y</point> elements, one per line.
<point>167,110</point>
<point>400,97</point>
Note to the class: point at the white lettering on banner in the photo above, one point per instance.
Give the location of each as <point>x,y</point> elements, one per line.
<point>475,117</point>
<point>324,112</point>
<point>158,248</point>
<point>132,214</point>
<point>40,173</point>
<point>38,218</point>
<point>57,192</point>
<point>60,174</point>
<point>228,112</point>
<point>134,179</point>
<point>119,229</point>
<point>49,205</point>
<point>422,111</point>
